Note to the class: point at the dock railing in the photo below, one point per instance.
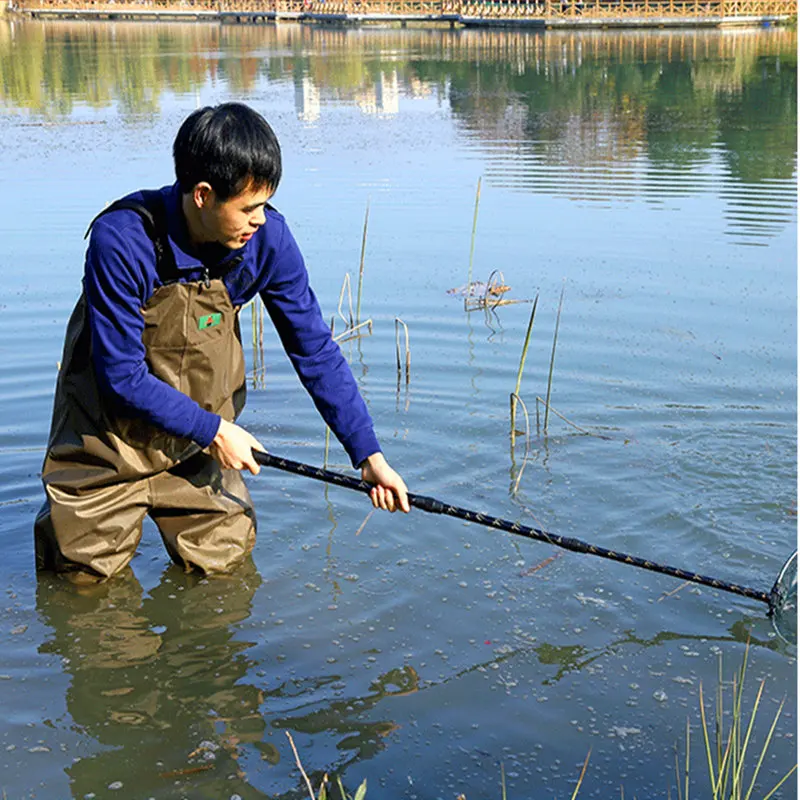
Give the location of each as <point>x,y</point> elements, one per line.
<point>710,10</point>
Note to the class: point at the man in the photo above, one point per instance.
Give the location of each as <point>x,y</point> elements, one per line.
<point>152,377</point>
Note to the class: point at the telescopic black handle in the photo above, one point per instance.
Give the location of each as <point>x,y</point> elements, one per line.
<point>434,506</point>
<point>420,501</point>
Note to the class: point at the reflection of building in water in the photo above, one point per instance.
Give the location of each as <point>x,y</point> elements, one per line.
<point>419,89</point>
<point>307,100</point>
<point>382,98</point>
<point>387,94</point>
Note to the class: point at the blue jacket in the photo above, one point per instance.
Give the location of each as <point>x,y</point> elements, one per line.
<point>120,277</point>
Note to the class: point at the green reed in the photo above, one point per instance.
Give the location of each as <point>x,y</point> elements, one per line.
<point>552,362</point>
<point>727,759</point>
<point>523,356</point>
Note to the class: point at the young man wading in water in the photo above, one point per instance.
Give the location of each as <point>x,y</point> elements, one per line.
<point>152,377</point>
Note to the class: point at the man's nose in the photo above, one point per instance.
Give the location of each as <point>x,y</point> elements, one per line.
<point>260,217</point>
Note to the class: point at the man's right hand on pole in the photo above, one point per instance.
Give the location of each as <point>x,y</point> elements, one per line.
<point>233,448</point>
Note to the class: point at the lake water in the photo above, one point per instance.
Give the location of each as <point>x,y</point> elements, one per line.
<point>651,177</point>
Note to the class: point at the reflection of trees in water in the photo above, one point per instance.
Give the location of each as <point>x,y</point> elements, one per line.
<point>574,98</point>
<point>566,658</point>
<point>163,684</point>
<point>590,99</point>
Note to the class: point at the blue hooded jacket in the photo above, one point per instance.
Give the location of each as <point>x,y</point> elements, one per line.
<point>120,277</point>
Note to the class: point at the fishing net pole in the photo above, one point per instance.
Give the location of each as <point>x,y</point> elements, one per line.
<point>781,599</point>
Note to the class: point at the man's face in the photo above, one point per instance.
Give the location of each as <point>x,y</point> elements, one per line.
<point>231,222</point>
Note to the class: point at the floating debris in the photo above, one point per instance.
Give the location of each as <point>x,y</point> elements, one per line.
<point>540,565</point>
<point>622,732</point>
<point>479,289</point>
<point>588,600</point>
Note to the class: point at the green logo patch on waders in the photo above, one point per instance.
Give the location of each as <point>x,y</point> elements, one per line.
<point>209,321</point>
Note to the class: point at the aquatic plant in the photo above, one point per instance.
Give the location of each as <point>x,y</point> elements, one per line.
<point>353,327</point>
<point>398,323</point>
<point>552,362</point>
<point>515,398</point>
<point>472,240</point>
<point>322,792</point>
<point>515,394</point>
<point>257,320</point>
<point>361,266</point>
<point>726,751</point>
<point>727,755</point>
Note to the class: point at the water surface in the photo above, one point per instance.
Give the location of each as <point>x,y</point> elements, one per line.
<point>652,178</point>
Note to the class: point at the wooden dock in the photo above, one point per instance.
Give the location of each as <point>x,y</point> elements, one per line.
<point>468,13</point>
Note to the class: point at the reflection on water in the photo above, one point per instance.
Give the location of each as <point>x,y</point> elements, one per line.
<point>628,168</point>
<point>588,115</point>
<point>142,665</point>
<point>163,683</point>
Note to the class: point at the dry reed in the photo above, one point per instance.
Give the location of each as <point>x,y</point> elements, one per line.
<point>352,327</point>
<point>361,266</point>
<point>397,324</point>
<point>472,240</point>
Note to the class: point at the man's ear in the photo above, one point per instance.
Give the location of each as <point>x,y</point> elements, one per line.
<point>202,194</point>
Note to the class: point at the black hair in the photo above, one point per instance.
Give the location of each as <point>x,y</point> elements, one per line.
<point>230,146</point>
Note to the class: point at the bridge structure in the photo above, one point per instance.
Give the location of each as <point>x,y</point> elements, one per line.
<point>470,13</point>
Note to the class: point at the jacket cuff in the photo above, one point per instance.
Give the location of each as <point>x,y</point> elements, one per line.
<point>360,445</point>
<point>205,428</point>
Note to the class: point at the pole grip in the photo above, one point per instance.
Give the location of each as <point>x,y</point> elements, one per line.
<point>420,501</point>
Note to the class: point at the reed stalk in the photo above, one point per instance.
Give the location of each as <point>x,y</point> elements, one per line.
<point>581,776</point>
<point>542,401</point>
<point>253,313</point>
<point>397,324</point>
<point>686,768</point>
<point>515,398</point>
<point>257,323</point>
<point>361,265</point>
<point>300,766</point>
<point>348,320</point>
<point>350,332</point>
<point>515,393</point>
<point>552,362</point>
<point>726,761</point>
<point>472,240</point>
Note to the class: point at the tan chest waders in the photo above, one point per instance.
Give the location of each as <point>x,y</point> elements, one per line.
<point>104,472</point>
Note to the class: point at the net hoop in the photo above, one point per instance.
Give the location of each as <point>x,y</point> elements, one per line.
<point>783,601</point>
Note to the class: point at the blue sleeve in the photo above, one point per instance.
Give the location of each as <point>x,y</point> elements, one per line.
<point>115,291</point>
<point>317,359</point>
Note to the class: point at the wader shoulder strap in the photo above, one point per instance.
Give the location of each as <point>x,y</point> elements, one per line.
<point>154,217</point>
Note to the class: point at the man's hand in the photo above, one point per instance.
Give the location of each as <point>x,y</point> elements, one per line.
<point>233,448</point>
<point>390,492</point>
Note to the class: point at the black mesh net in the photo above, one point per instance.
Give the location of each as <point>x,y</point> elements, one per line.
<point>783,601</point>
